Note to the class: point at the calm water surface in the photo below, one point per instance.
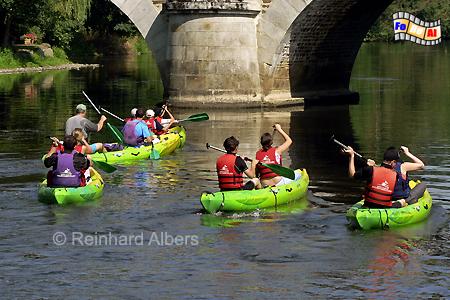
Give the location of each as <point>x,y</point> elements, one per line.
<point>303,251</point>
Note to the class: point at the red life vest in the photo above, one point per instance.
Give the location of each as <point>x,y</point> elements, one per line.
<point>151,123</point>
<point>267,157</point>
<point>379,191</point>
<point>79,148</point>
<point>128,120</point>
<point>229,178</point>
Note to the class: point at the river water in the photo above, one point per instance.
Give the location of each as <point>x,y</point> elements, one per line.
<point>305,251</point>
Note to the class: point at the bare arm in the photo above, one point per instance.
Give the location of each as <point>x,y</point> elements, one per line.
<point>51,152</point>
<point>351,162</point>
<point>172,119</point>
<point>101,123</point>
<point>287,139</point>
<point>417,164</point>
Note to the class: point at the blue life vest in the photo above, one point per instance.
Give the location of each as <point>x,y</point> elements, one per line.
<point>64,173</point>
<point>402,189</point>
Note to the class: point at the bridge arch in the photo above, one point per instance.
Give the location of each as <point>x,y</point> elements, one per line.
<point>301,48</point>
<point>309,47</point>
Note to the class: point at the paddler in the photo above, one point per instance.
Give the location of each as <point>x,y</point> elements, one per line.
<point>68,166</point>
<point>231,167</point>
<point>83,146</point>
<point>132,117</point>
<point>388,185</point>
<point>136,132</point>
<point>80,121</point>
<point>164,123</point>
<point>272,155</point>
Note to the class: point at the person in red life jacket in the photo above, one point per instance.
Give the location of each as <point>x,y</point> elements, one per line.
<point>167,123</point>
<point>82,145</point>
<point>68,166</point>
<point>272,155</point>
<point>388,184</point>
<point>231,167</point>
<point>136,132</point>
<point>133,116</point>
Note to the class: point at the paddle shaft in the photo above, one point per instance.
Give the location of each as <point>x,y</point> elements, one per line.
<point>112,115</point>
<point>346,148</point>
<point>221,150</point>
<point>92,103</point>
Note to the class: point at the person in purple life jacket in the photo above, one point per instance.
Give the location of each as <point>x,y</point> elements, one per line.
<point>136,132</point>
<point>68,166</point>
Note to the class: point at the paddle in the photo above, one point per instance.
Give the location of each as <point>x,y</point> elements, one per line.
<point>346,147</point>
<point>104,166</point>
<point>112,115</point>
<point>196,118</point>
<point>154,154</point>
<point>117,136</point>
<point>277,169</point>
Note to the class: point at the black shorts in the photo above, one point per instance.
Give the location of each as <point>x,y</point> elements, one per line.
<point>249,185</point>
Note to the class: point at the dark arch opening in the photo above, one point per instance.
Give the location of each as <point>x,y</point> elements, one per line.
<point>324,42</point>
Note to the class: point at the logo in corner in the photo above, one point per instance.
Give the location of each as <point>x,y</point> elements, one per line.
<point>408,27</point>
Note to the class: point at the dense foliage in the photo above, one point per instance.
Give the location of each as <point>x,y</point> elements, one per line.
<point>426,10</point>
<point>90,27</point>
<point>62,23</point>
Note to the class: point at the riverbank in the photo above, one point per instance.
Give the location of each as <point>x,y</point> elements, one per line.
<point>47,68</point>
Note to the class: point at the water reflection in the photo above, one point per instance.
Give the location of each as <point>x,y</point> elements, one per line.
<point>305,252</point>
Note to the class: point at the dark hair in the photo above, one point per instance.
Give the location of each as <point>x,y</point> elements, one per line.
<point>391,154</point>
<point>230,144</point>
<point>266,141</point>
<point>140,113</point>
<point>158,111</point>
<point>69,142</point>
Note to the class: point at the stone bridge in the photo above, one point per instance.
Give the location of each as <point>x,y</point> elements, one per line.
<point>254,52</point>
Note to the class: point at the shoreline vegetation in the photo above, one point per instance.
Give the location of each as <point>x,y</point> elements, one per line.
<point>69,66</point>
<point>81,31</point>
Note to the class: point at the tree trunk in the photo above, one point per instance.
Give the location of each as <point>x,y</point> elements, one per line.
<point>6,31</point>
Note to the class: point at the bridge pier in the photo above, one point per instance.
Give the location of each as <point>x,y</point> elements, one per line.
<point>254,53</point>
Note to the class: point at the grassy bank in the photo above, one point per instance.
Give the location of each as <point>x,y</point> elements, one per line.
<point>85,51</point>
<point>11,60</point>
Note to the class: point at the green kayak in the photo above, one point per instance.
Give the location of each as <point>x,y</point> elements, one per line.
<point>241,200</point>
<point>92,191</point>
<point>174,139</point>
<point>374,218</point>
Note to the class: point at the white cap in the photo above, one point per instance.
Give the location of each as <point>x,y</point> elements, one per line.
<point>133,112</point>
<point>150,113</point>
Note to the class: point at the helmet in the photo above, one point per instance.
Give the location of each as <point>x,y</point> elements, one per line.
<point>133,112</point>
<point>150,113</point>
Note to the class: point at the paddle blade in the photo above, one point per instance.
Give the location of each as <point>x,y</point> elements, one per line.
<point>280,170</point>
<point>104,166</point>
<point>196,118</point>
<point>116,132</point>
<point>154,154</point>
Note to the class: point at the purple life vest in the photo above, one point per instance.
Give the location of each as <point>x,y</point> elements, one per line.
<point>129,134</point>
<point>64,173</point>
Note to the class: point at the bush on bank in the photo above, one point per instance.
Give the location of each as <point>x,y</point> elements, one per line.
<point>11,60</point>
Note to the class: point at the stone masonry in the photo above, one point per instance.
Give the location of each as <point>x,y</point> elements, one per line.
<point>253,52</point>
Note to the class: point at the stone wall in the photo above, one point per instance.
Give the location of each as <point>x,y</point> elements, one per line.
<point>213,59</point>
<point>253,51</point>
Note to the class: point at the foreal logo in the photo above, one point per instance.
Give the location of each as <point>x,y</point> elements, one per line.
<point>224,170</point>
<point>66,173</point>
<point>407,27</point>
<point>266,159</point>
<point>383,186</point>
